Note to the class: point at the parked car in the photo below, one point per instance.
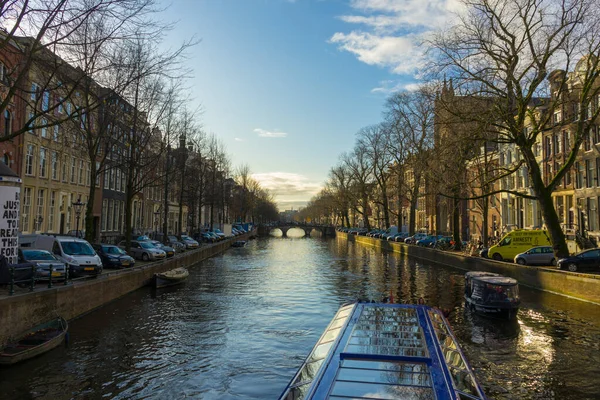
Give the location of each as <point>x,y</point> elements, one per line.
<point>518,241</point>
<point>144,250</point>
<point>77,254</point>
<point>112,256</point>
<point>175,243</point>
<point>540,255</point>
<point>413,239</point>
<point>43,260</point>
<point>400,237</point>
<point>219,233</point>
<point>167,249</point>
<point>189,242</point>
<point>428,241</point>
<point>585,260</point>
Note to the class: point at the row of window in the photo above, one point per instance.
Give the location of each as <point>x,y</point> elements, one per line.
<point>42,213</point>
<point>74,170</point>
<point>113,212</point>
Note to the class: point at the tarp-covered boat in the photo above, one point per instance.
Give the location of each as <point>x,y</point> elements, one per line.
<point>36,341</point>
<point>170,278</point>
<point>385,351</point>
<point>238,243</point>
<point>492,293</point>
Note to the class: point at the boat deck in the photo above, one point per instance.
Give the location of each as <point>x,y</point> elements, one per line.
<point>385,351</point>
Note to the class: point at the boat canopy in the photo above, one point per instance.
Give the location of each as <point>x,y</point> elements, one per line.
<point>497,280</point>
<point>385,351</point>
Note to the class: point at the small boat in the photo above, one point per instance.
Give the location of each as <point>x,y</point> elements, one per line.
<point>170,278</point>
<point>238,243</point>
<point>35,341</point>
<point>492,294</point>
<point>385,351</point>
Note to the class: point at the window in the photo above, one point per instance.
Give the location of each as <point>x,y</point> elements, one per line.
<point>579,176</point>
<point>597,171</point>
<point>7,123</point>
<point>557,117</point>
<point>104,214</point>
<point>6,160</point>
<point>34,91</point>
<point>587,143</point>
<point>55,134</point>
<point>68,107</point>
<point>118,179</point>
<point>113,178</point>
<point>29,159</point>
<point>589,166</point>
<point>88,173</point>
<point>44,128</point>
<point>97,173</point>
<point>81,172</point>
<point>109,226</point>
<point>596,133</point>
<point>65,165</point>
<point>592,211</point>
<point>547,147</point>
<point>73,167</point>
<point>26,209</point>
<point>51,209</point>
<point>106,177</point>
<point>123,182</point>
<point>3,77</point>
<point>31,123</point>
<point>39,216</point>
<point>556,144</point>
<point>43,152</point>
<point>54,165</point>
<point>46,100</point>
<point>115,215</point>
<point>576,109</point>
<point>60,109</point>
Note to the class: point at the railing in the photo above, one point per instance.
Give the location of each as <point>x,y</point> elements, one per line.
<point>30,282</point>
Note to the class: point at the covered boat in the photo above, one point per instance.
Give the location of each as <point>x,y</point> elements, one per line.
<point>170,278</point>
<point>492,293</point>
<point>385,351</point>
<point>238,243</point>
<point>36,341</point>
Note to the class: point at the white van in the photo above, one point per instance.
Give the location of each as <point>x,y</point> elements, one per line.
<point>76,253</point>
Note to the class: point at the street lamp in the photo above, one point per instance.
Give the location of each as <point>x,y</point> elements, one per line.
<point>38,222</point>
<point>78,207</point>
<point>156,217</point>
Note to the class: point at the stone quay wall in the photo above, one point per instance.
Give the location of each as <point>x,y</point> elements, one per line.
<point>580,286</point>
<point>21,312</point>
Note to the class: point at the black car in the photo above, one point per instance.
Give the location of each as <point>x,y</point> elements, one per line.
<point>113,257</point>
<point>586,260</point>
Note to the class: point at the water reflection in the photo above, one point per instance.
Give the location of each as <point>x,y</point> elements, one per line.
<point>245,321</point>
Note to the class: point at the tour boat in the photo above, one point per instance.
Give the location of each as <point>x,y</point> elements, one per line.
<point>492,294</point>
<point>238,243</point>
<point>385,351</point>
<point>34,342</point>
<point>170,278</point>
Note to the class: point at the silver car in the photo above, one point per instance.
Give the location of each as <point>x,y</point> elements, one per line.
<point>144,250</point>
<point>540,255</point>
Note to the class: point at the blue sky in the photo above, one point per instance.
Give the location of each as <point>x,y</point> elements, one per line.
<point>287,84</point>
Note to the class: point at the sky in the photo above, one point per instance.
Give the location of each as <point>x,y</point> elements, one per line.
<point>286,84</point>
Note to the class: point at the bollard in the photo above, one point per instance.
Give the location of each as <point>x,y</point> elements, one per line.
<point>32,286</point>
<point>66,274</point>
<point>50,276</point>
<point>11,288</point>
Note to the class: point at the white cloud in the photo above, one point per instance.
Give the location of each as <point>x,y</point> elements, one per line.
<point>389,87</point>
<point>392,31</point>
<point>268,134</point>
<point>237,139</point>
<point>288,185</point>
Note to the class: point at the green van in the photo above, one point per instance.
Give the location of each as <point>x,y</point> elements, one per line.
<point>518,241</point>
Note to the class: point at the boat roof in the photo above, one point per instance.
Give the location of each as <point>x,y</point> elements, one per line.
<point>477,274</point>
<point>385,351</point>
<point>497,280</point>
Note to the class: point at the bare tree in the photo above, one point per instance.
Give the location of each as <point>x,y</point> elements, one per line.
<point>375,142</point>
<point>362,181</point>
<point>505,50</point>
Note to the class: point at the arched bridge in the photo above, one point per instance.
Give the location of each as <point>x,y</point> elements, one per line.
<point>326,230</point>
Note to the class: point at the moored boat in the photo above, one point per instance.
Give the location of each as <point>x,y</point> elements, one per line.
<point>38,340</point>
<point>492,294</point>
<point>385,351</point>
<point>170,278</point>
<point>238,243</point>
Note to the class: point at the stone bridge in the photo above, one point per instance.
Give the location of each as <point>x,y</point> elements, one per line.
<point>326,230</point>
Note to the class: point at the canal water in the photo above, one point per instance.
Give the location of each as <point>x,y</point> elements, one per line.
<point>245,320</point>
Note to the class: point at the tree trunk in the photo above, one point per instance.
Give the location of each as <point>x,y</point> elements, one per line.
<point>456,219</point>
<point>90,234</point>
<point>485,222</point>
<point>385,205</point>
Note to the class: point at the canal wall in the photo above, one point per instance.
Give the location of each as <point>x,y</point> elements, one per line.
<point>20,312</point>
<point>584,287</point>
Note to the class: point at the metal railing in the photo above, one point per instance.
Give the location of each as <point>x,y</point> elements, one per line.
<point>31,281</point>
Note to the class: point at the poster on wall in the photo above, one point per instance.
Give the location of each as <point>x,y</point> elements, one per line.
<point>10,202</point>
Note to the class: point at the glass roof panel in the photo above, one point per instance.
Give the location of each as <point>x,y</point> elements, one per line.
<point>381,391</point>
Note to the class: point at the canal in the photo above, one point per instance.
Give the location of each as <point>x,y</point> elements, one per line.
<point>245,320</point>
